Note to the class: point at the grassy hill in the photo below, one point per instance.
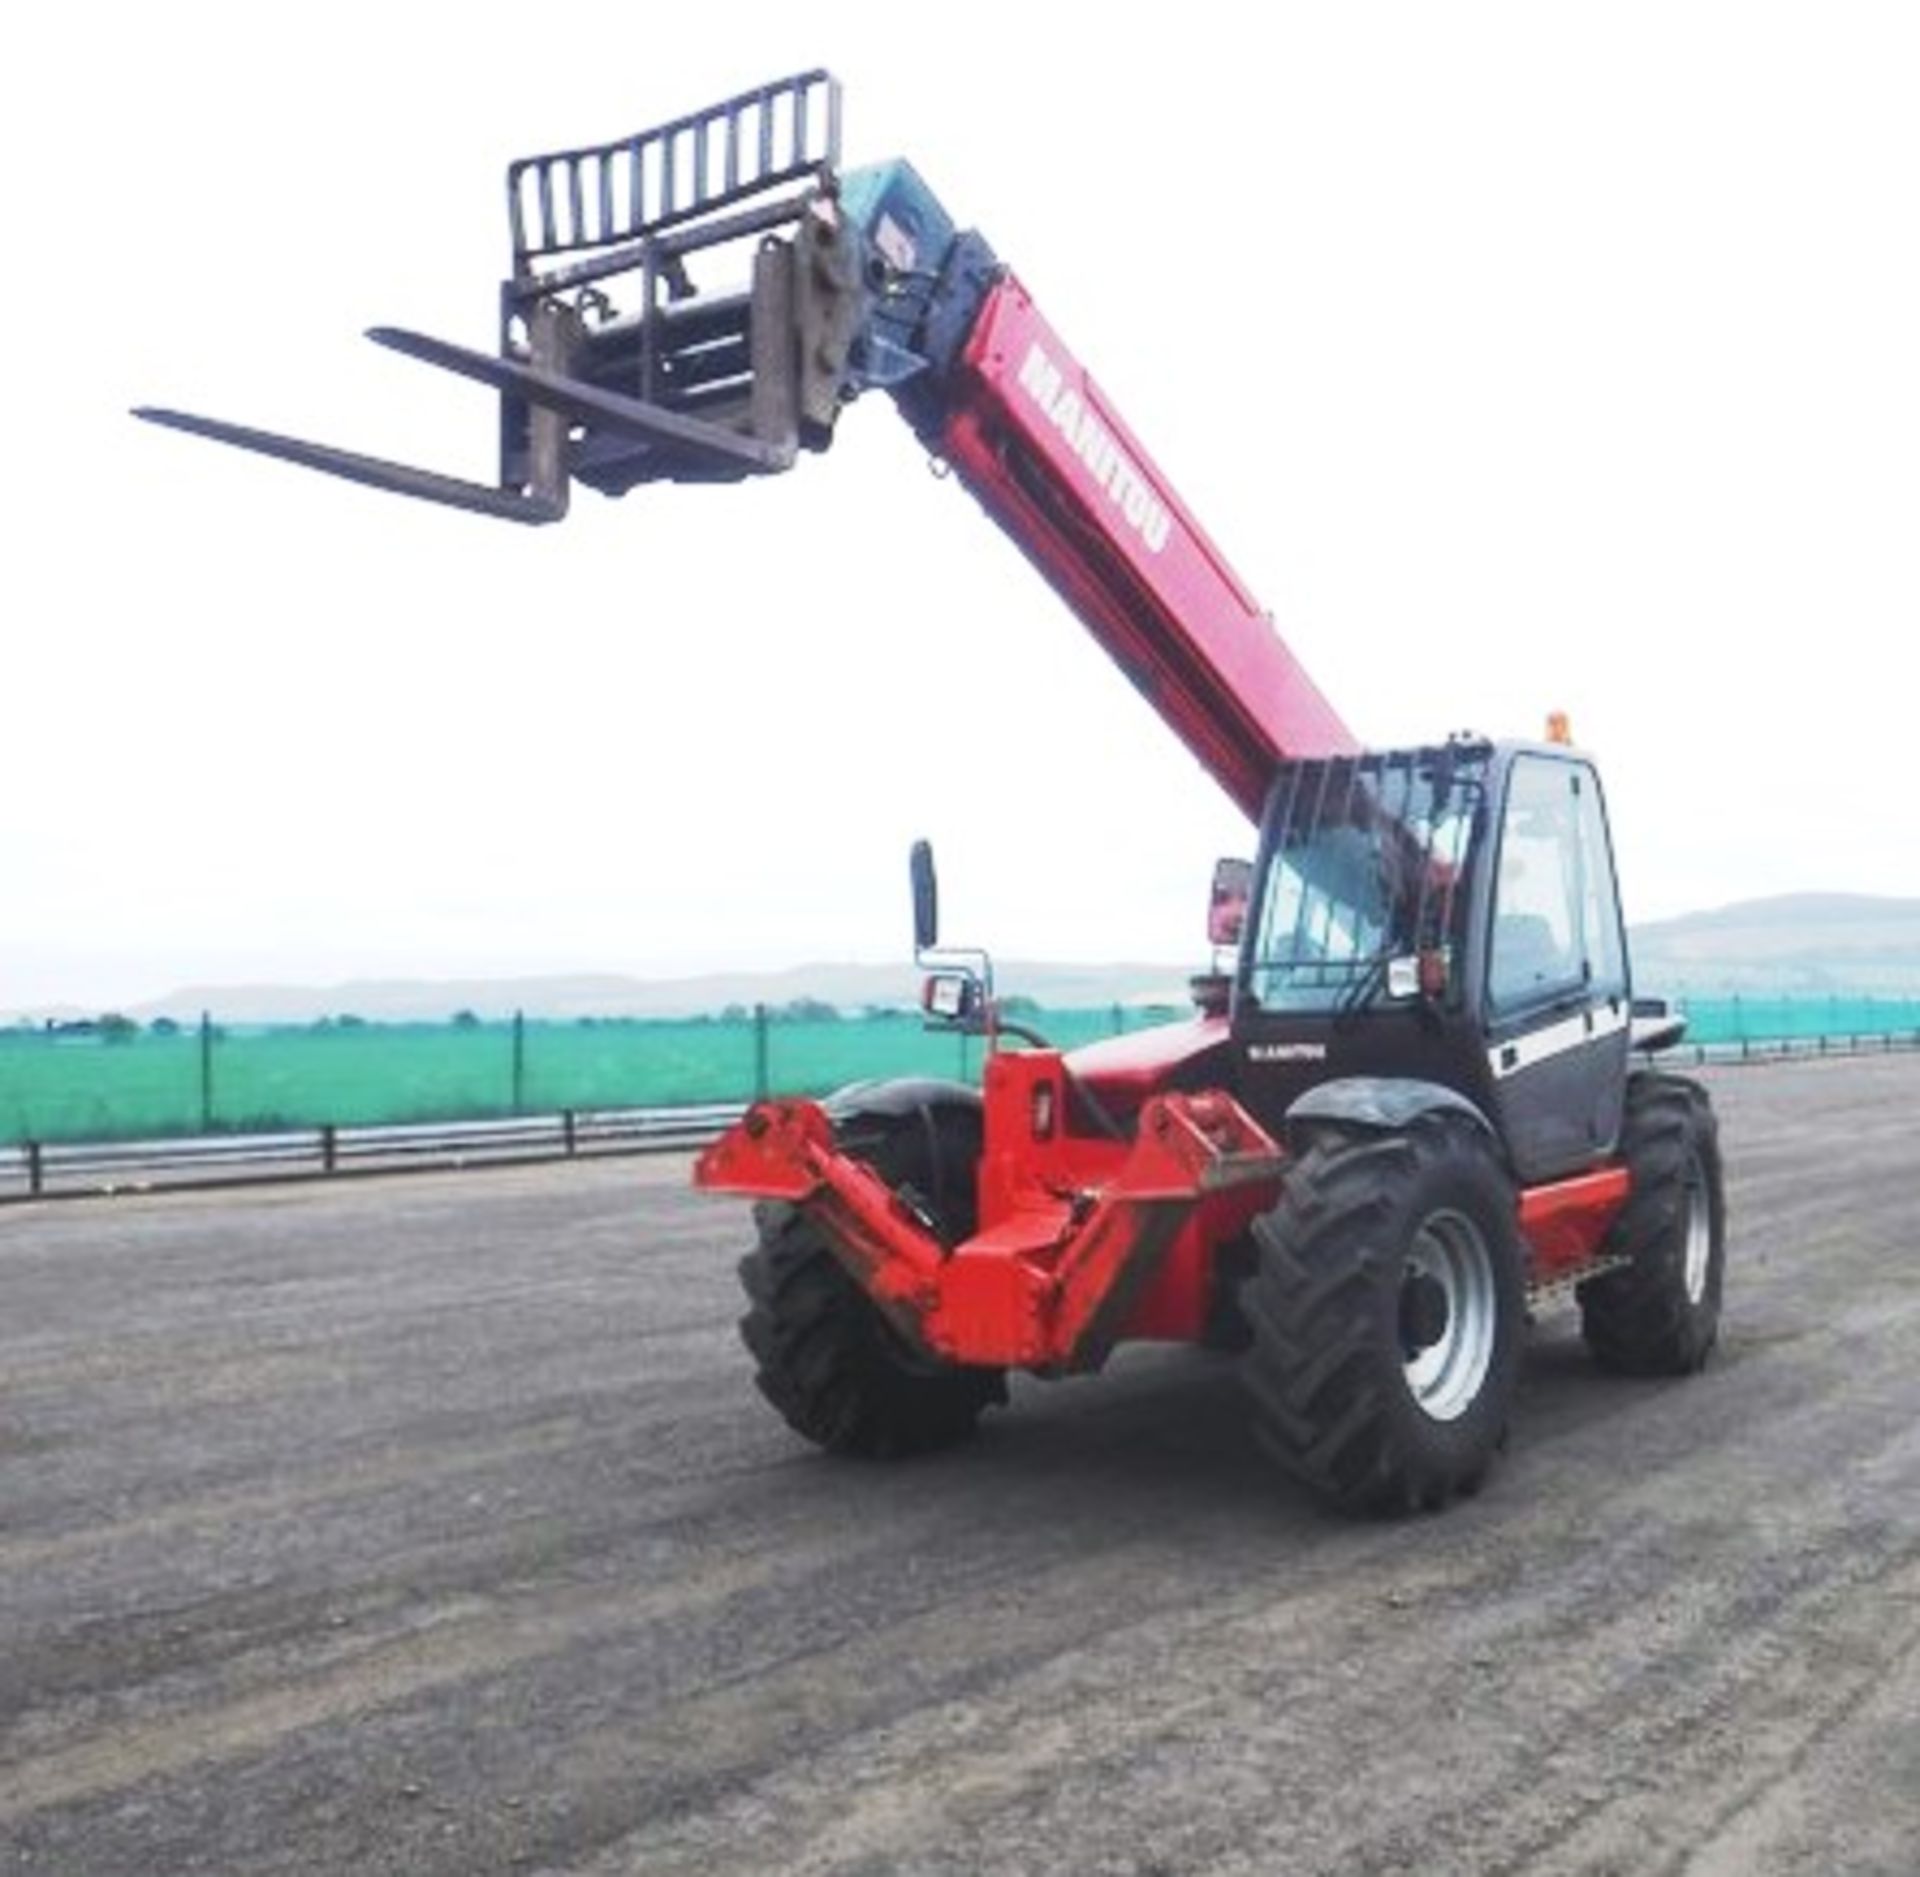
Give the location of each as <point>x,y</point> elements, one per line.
<point>1791,945</point>
<point>849,987</point>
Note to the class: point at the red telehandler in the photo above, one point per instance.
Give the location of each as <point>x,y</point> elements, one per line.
<point>1411,1107</point>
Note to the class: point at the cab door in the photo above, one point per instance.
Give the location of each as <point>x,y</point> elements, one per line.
<point>1558,1007</point>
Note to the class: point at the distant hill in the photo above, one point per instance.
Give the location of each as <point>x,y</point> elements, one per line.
<point>848,987</point>
<point>1794,944</point>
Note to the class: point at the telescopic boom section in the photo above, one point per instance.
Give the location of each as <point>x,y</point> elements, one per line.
<point>617,367</point>
<point>1031,435</point>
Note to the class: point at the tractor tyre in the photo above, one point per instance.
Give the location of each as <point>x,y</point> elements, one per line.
<point>1385,1311</point>
<point>827,1359</point>
<point>1659,1313</point>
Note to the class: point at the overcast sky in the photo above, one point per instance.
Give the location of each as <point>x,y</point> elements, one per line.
<point>1521,358</point>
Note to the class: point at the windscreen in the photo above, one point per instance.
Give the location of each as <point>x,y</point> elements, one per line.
<point>1365,858</point>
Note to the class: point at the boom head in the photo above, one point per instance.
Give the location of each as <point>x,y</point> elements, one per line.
<point>615,368</point>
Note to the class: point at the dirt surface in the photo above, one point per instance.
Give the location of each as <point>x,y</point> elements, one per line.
<point>434,1525</point>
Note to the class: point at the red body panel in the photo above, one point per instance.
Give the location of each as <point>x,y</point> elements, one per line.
<point>1083,1242</point>
<point>1050,459</point>
<point>1019,1172</point>
<point>1125,1070</point>
<point>1565,1223</point>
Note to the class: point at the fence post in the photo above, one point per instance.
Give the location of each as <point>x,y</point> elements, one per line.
<point>519,1061</point>
<point>759,1052</point>
<point>36,1172</point>
<point>567,1131</point>
<point>206,1072</point>
<point>329,1147</point>
<point>1119,1020</point>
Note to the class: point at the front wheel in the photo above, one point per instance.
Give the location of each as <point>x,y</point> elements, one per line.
<point>1385,1312</point>
<point>824,1355</point>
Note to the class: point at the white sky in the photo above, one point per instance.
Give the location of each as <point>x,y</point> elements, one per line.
<point>1520,357</point>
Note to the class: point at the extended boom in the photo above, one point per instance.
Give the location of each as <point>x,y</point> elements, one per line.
<point>855,282</point>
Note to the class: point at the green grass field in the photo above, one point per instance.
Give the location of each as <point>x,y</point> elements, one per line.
<point>85,1088</point>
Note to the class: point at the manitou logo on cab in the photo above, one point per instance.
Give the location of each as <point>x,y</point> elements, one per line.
<point>1090,440</point>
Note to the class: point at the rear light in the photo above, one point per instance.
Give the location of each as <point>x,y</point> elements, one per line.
<point>1043,1111</point>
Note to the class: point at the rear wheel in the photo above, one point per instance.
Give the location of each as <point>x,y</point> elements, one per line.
<point>1659,1314</point>
<point>1384,1313</point>
<point>825,1357</point>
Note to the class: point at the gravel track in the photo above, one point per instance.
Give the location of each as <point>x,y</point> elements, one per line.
<point>433,1525</point>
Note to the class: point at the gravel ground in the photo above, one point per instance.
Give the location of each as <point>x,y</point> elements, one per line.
<point>433,1525</point>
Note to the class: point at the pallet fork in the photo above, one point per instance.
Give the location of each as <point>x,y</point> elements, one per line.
<point>690,385</point>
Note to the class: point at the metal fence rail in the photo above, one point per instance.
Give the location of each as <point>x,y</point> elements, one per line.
<point>1794,1048</point>
<point>36,1170</point>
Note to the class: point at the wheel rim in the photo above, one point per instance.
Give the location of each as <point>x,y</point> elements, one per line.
<point>1449,1305</point>
<point>1699,1231</point>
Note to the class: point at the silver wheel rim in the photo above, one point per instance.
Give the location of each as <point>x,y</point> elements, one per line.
<point>1445,1377</point>
<point>1698,1227</point>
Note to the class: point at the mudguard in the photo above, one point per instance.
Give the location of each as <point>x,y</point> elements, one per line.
<point>1383,1102</point>
<point>899,1099</point>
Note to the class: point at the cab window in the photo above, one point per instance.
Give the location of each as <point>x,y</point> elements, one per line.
<point>1538,949</point>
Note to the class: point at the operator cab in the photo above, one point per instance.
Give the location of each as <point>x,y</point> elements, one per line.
<point>1442,916</point>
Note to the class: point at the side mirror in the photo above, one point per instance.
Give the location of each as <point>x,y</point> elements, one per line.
<point>926,897</point>
<point>1418,974</point>
<point>951,997</point>
<point>1227,909</point>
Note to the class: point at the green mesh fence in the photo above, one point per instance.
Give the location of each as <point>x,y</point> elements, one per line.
<point>68,1087</point>
<point>1792,1019</point>
<point>71,1087</point>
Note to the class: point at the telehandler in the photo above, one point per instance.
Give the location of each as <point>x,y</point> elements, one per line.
<point>1408,1111</point>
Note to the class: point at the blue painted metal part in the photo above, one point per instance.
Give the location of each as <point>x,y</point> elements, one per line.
<point>927,280</point>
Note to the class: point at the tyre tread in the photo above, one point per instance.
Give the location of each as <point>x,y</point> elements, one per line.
<point>827,1360</point>
<point>1327,1387</point>
<point>1638,1319</point>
